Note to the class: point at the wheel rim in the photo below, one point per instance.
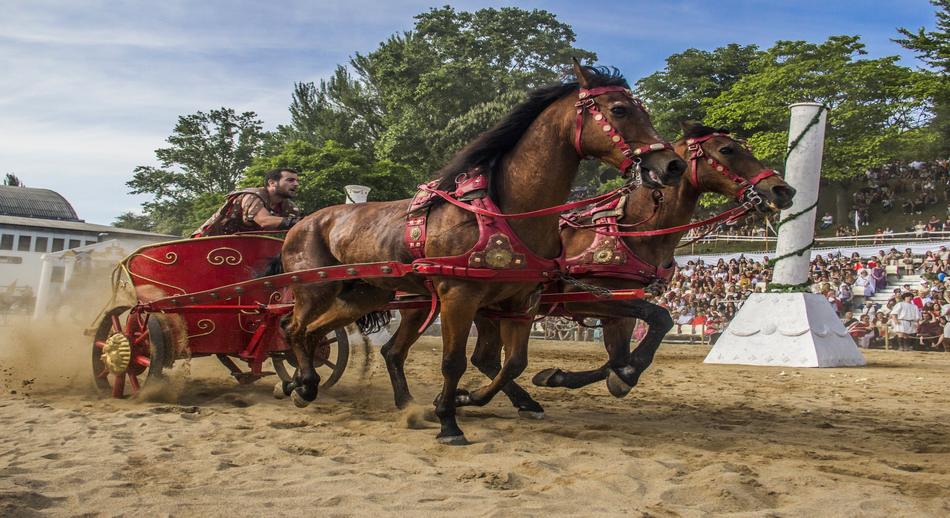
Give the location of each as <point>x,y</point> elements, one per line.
<point>121,352</point>
<point>330,359</point>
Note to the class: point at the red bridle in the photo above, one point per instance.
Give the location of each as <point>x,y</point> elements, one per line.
<point>746,192</point>
<point>586,103</point>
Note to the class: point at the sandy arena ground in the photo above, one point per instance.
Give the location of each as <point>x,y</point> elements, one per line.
<point>691,440</point>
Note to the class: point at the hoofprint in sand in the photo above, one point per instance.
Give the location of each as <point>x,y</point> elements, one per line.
<point>691,440</point>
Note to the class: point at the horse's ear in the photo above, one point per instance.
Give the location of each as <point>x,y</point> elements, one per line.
<point>579,73</point>
<point>689,126</point>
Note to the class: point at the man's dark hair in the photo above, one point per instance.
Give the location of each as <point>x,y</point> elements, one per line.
<point>275,174</point>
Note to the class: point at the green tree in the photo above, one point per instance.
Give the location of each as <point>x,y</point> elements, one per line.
<point>134,221</point>
<point>422,94</point>
<point>207,154</point>
<point>13,180</point>
<point>325,170</point>
<point>679,92</point>
<point>871,102</point>
<point>933,48</point>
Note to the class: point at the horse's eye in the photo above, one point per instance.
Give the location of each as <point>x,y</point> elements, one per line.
<point>618,111</point>
<point>726,150</point>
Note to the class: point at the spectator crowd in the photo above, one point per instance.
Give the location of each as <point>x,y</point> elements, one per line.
<point>711,294</point>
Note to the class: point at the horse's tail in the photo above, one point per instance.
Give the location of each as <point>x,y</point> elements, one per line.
<point>274,267</point>
<point>373,322</point>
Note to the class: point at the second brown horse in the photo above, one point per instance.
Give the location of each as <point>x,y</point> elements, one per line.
<point>716,149</point>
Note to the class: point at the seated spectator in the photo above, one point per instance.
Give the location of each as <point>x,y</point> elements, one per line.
<point>944,340</point>
<point>865,281</point>
<point>826,221</point>
<point>928,332</point>
<point>862,331</point>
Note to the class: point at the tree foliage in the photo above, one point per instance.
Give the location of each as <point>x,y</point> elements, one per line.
<point>325,170</point>
<point>422,94</point>
<point>207,154</point>
<point>134,221</point>
<point>13,180</point>
<point>872,102</point>
<point>933,48</point>
<point>679,92</point>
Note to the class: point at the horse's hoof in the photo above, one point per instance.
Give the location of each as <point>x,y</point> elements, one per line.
<point>531,414</point>
<point>462,397</point>
<point>299,401</point>
<point>543,378</point>
<point>453,440</point>
<point>617,387</point>
<point>279,390</point>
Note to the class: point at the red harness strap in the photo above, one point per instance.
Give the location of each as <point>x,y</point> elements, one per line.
<point>498,255</point>
<point>609,256</point>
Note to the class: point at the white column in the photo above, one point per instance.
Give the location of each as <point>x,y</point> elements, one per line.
<point>356,193</point>
<point>802,171</point>
<point>792,329</point>
<point>43,287</point>
<point>69,261</point>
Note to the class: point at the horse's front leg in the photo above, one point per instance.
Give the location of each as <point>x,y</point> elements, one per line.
<point>621,381</point>
<point>487,358</point>
<point>458,311</point>
<point>514,336</point>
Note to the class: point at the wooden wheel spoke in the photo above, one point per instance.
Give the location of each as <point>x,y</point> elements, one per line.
<point>118,387</point>
<point>100,344</point>
<point>103,374</point>
<point>116,325</point>
<point>330,364</point>
<point>142,360</point>
<point>329,340</point>
<point>140,338</point>
<point>134,381</point>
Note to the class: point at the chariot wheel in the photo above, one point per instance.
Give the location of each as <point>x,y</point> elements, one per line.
<point>330,359</point>
<point>128,350</point>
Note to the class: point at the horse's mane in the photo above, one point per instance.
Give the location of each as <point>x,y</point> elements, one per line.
<point>485,151</point>
<point>702,130</point>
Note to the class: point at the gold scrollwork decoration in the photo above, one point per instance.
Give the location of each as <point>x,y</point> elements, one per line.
<point>225,255</point>
<point>275,297</point>
<point>170,258</point>
<point>206,325</point>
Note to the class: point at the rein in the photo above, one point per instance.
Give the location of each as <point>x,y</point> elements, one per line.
<point>746,195</point>
<point>557,209</point>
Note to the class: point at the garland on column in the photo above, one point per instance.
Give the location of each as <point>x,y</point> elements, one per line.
<point>805,286</point>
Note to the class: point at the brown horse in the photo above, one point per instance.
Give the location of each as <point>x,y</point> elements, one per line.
<point>530,159</point>
<point>619,317</point>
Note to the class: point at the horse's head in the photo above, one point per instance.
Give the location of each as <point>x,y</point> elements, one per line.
<point>722,164</point>
<point>612,125</point>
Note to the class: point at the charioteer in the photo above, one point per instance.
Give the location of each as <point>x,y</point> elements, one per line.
<point>257,208</point>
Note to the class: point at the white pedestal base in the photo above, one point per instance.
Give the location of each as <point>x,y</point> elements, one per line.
<point>786,330</point>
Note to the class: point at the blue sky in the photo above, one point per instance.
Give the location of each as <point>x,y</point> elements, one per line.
<point>88,89</point>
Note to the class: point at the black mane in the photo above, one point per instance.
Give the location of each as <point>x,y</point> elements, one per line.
<point>702,130</point>
<point>485,151</point>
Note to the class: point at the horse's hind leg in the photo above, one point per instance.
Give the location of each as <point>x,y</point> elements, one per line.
<point>396,350</point>
<point>659,321</point>
<point>309,303</point>
<point>350,304</point>
<point>487,358</point>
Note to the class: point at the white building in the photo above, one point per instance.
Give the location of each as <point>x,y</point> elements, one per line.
<point>38,224</point>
